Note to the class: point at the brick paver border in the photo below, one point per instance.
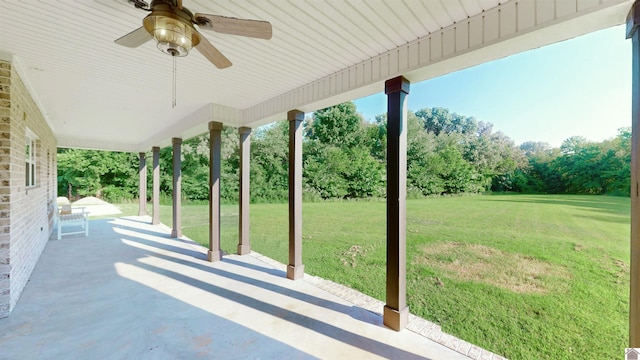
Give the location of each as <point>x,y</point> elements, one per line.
<point>416,324</point>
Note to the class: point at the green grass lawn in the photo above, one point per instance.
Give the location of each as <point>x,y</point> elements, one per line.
<point>527,277</point>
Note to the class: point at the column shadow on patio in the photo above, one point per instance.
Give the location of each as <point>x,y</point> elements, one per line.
<point>130,291</point>
<point>309,322</point>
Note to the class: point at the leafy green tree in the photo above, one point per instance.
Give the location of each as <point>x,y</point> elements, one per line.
<point>194,164</point>
<point>338,125</point>
<point>440,121</point>
<point>325,169</point>
<point>77,174</point>
<point>459,176</point>
<point>365,174</point>
<point>533,148</point>
<point>195,167</point>
<point>597,168</point>
<point>573,144</point>
<point>344,157</point>
<point>97,173</point>
<point>230,170</point>
<point>494,156</point>
<point>618,151</point>
<point>540,174</point>
<point>425,176</point>
<point>579,166</point>
<point>270,163</point>
<point>423,165</point>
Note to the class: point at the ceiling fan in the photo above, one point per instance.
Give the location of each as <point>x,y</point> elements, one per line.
<point>172,26</point>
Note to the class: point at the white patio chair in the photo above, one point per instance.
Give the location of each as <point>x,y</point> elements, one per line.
<point>72,216</point>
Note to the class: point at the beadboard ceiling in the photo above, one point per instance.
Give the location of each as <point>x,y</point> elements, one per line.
<point>96,94</point>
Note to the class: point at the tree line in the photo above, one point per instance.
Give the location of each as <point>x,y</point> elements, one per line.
<point>344,157</point>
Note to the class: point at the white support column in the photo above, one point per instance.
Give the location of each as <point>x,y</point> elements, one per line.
<point>156,185</point>
<point>215,138</point>
<point>295,270</point>
<point>176,232</point>
<point>142,185</point>
<point>244,245</point>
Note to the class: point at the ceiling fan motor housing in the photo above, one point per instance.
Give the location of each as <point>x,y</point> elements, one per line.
<point>172,29</point>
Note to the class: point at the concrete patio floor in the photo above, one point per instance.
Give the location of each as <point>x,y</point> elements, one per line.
<point>128,291</point>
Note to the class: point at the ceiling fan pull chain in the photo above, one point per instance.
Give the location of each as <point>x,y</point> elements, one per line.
<point>173,104</point>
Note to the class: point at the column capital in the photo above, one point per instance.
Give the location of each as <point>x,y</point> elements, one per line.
<point>176,140</point>
<point>155,148</point>
<point>396,84</point>
<point>244,130</point>
<point>215,126</point>
<point>295,115</point>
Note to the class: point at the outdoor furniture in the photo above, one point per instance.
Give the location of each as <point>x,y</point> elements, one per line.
<point>76,217</point>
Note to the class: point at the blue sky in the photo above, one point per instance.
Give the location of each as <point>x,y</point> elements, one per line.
<point>581,87</point>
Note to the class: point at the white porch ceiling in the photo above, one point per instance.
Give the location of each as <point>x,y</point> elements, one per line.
<point>96,94</point>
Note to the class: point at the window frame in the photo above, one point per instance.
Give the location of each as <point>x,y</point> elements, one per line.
<point>31,151</point>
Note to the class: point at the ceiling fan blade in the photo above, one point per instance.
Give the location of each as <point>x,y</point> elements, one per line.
<point>139,4</point>
<point>234,26</point>
<point>212,54</point>
<point>135,38</point>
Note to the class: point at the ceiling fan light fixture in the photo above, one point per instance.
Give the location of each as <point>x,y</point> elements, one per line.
<point>175,30</point>
<point>174,36</point>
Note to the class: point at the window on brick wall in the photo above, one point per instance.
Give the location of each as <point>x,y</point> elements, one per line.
<point>30,159</point>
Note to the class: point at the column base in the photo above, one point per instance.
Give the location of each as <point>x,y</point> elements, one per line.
<point>155,222</point>
<point>214,255</point>
<point>244,249</point>
<point>295,272</point>
<point>142,213</point>
<point>176,233</point>
<point>395,319</point>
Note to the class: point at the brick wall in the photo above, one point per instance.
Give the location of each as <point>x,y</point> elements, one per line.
<point>26,213</point>
<point>5,197</point>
